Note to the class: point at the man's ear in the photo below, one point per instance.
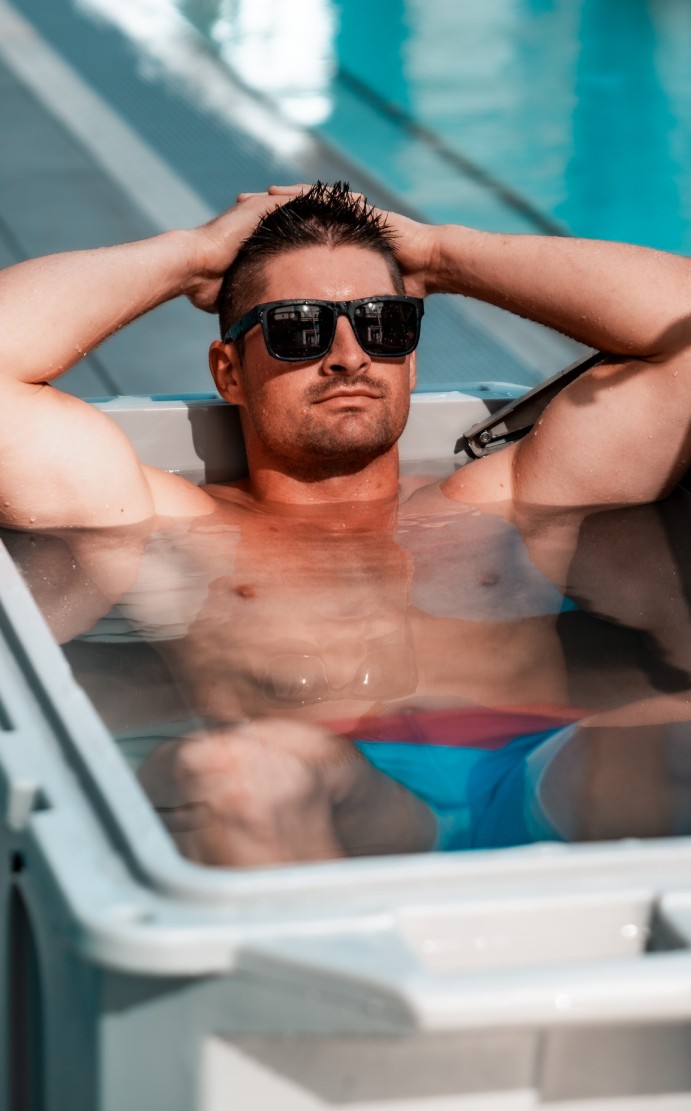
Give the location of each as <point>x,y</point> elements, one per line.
<point>412,372</point>
<point>224,365</point>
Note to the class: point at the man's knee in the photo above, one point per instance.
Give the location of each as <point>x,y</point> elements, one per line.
<point>236,774</point>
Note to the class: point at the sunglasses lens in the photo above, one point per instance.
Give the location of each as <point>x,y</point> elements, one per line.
<point>303,330</point>
<point>298,330</point>
<point>387,327</point>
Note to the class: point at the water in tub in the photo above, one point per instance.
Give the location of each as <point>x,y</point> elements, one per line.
<point>308,683</point>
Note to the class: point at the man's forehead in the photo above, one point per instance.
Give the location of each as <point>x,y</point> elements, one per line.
<point>335,273</point>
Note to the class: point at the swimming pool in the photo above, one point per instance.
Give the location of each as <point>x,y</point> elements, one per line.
<point>517,115</point>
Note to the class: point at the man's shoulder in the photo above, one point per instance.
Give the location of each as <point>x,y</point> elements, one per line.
<point>483,482</point>
<point>175,496</point>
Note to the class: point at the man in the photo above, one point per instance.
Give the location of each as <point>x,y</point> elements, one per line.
<point>317,589</point>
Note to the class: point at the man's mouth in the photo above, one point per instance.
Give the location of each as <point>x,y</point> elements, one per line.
<point>345,395</point>
<point>342,392</point>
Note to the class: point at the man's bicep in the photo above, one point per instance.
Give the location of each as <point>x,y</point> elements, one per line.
<point>64,463</point>
<point>618,435</point>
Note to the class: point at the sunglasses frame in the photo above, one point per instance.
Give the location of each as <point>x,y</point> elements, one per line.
<point>258,315</point>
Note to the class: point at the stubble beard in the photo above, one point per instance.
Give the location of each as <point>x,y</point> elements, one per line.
<point>349,436</point>
<point>328,444</point>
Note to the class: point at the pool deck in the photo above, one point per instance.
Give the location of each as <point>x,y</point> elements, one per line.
<point>79,170</point>
<point>56,194</point>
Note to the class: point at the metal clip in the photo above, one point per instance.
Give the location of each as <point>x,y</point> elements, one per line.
<point>514,420</point>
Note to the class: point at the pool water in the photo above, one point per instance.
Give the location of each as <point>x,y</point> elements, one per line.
<point>517,115</point>
<point>433,643</point>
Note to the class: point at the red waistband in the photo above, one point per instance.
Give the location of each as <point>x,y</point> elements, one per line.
<point>459,726</point>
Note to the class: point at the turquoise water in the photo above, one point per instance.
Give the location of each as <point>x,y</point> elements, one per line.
<point>565,114</point>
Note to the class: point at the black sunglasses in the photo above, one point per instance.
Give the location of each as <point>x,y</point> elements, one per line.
<point>295,331</point>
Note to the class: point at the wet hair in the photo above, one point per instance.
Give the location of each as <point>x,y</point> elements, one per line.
<point>326,215</point>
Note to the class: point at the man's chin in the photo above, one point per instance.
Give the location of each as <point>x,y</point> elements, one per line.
<point>351,439</point>
<point>348,452</point>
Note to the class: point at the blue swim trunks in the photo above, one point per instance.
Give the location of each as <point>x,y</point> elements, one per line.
<point>481,798</point>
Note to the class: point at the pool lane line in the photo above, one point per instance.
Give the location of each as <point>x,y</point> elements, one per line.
<point>147,181</point>
<point>446,153</point>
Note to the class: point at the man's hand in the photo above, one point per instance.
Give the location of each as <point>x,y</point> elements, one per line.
<point>416,248</point>
<point>215,244</point>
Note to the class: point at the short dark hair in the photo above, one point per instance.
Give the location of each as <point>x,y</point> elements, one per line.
<point>326,215</point>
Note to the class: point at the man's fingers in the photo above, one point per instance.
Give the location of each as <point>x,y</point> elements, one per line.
<point>275,191</point>
<point>294,190</point>
<point>288,190</point>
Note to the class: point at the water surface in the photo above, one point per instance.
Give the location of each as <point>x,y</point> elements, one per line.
<point>413,677</point>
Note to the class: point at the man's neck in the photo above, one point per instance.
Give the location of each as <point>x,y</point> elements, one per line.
<point>327,483</point>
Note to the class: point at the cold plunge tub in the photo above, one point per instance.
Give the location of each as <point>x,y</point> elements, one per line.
<point>132,978</point>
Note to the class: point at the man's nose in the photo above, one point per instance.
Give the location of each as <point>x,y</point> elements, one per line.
<point>345,355</point>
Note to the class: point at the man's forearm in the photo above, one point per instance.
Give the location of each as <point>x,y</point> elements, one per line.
<point>58,308</point>
<point>619,298</point>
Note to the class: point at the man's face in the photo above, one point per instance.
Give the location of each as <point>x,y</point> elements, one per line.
<point>342,408</point>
